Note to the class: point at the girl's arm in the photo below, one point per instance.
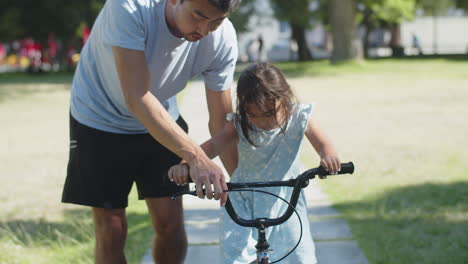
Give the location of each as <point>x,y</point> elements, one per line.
<point>217,144</point>
<point>328,155</point>
<point>213,147</point>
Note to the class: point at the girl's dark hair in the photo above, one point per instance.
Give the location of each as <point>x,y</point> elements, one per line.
<point>264,86</point>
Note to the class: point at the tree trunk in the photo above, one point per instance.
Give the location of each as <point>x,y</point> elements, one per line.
<point>346,42</point>
<point>368,28</point>
<point>298,34</point>
<point>366,41</point>
<point>395,41</point>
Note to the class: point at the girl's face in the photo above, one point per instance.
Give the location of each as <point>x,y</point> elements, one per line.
<point>265,121</point>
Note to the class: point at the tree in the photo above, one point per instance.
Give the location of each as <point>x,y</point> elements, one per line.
<point>346,43</point>
<point>240,18</point>
<point>36,18</point>
<point>298,15</point>
<point>386,12</point>
<point>463,4</point>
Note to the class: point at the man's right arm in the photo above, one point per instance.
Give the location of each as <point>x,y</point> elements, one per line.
<point>135,82</point>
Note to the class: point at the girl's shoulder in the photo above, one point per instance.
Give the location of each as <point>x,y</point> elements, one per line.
<point>302,110</point>
<point>301,114</point>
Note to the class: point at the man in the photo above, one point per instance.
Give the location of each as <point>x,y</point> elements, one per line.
<point>139,55</point>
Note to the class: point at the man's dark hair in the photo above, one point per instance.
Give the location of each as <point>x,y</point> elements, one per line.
<point>227,6</point>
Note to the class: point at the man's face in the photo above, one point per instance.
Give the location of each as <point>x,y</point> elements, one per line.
<point>194,19</point>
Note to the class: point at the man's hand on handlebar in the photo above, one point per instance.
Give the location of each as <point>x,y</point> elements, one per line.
<point>212,178</point>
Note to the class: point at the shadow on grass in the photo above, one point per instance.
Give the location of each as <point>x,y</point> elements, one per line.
<point>425,223</point>
<point>76,230</point>
<point>414,66</point>
<point>38,78</point>
<point>449,57</point>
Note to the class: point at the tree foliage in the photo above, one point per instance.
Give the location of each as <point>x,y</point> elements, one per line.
<point>298,14</point>
<point>435,7</point>
<point>36,18</point>
<point>240,18</point>
<point>387,11</point>
<point>295,12</point>
<point>463,4</point>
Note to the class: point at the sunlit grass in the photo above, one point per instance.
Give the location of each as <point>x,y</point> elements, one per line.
<point>69,239</point>
<point>407,201</point>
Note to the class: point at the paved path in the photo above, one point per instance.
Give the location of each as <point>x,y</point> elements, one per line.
<point>332,236</point>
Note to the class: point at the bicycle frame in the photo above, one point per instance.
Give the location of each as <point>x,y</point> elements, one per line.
<point>302,181</point>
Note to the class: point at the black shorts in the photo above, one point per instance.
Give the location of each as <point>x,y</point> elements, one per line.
<point>103,166</point>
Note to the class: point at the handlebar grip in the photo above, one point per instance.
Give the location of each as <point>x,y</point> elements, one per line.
<point>345,168</point>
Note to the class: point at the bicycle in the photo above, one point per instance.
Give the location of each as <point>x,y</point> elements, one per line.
<point>302,181</point>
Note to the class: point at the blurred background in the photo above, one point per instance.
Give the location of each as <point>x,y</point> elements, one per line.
<point>47,35</point>
<point>390,82</point>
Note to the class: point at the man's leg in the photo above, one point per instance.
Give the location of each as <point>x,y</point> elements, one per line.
<point>110,228</point>
<point>170,243</point>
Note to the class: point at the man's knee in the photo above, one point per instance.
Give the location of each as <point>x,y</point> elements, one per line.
<point>167,217</point>
<point>167,228</point>
<point>110,223</point>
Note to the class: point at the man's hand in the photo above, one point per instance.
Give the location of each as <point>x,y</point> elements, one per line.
<point>204,173</point>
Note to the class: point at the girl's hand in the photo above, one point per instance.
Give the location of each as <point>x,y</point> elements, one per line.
<point>179,173</point>
<point>331,163</point>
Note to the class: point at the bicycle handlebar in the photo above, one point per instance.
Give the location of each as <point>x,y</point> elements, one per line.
<point>298,183</point>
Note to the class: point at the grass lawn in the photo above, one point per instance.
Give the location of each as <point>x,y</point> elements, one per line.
<point>406,130</point>
<point>34,226</point>
<point>403,123</point>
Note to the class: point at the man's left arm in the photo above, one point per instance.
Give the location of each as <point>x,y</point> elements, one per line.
<point>219,105</point>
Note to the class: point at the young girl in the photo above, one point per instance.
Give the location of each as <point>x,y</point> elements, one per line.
<point>269,127</point>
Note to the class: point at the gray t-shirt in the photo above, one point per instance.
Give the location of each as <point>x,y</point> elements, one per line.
<point>96,96</point>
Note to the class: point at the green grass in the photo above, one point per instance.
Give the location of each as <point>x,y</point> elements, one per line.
<point>409,67</point>
<point>407,201</point>
<point>395,222</point>
<point>403,123</point>
<point>69,239</point>
<point>37,78</point>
